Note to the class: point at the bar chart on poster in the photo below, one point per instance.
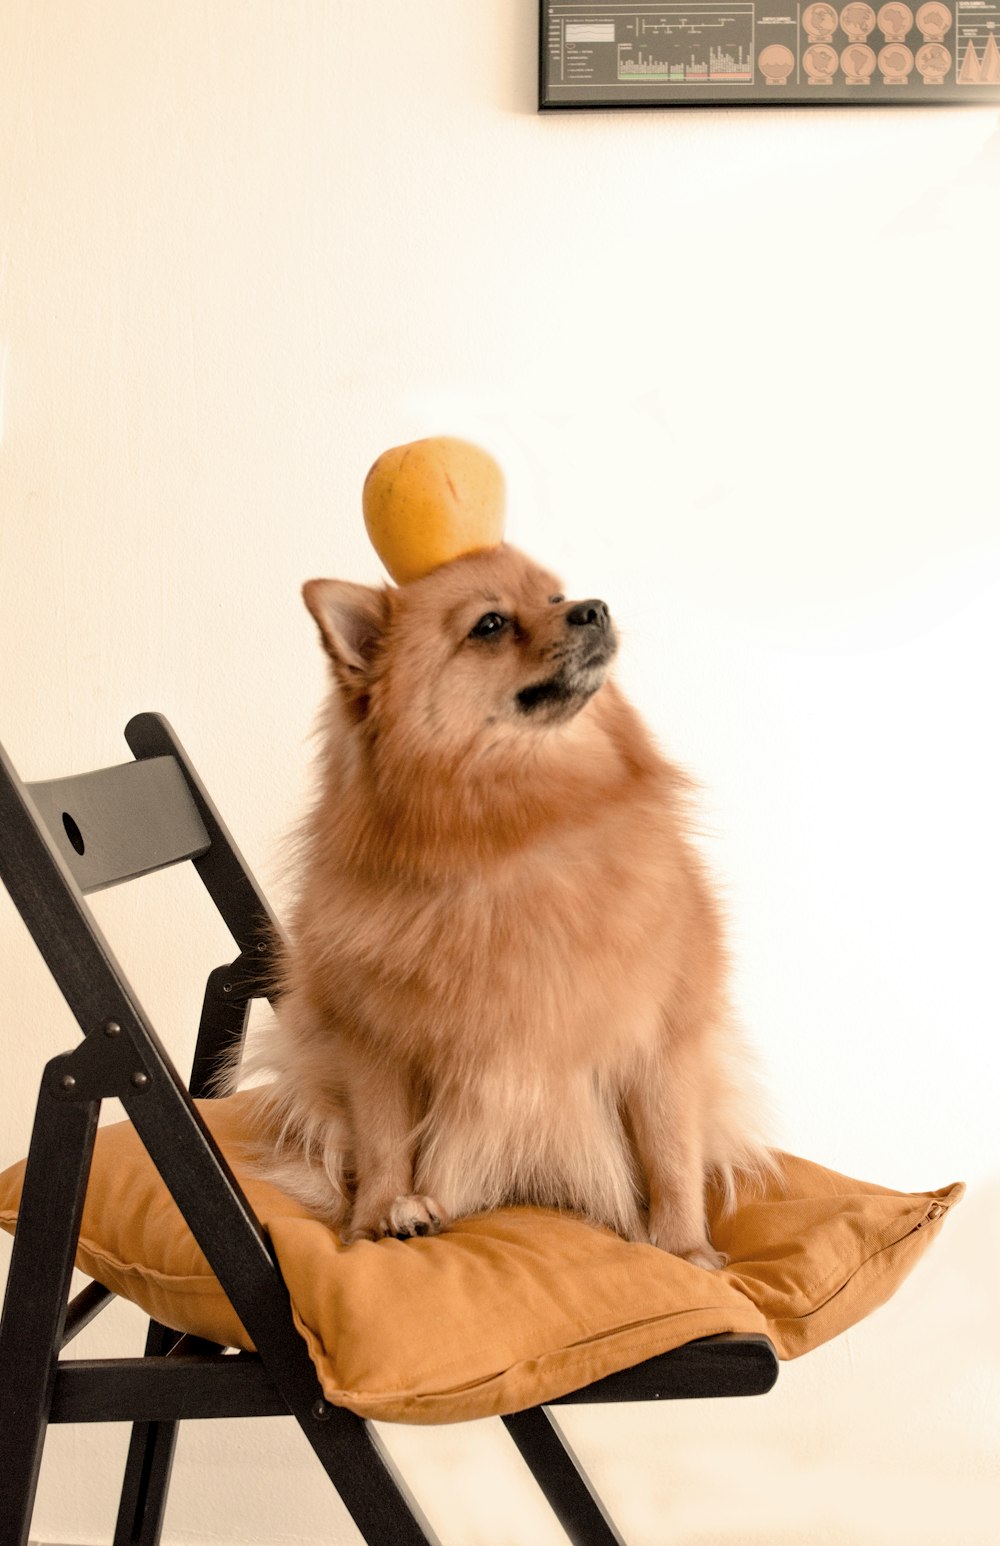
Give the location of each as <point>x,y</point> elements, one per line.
<point>715,44</point>
<point>761,51</point>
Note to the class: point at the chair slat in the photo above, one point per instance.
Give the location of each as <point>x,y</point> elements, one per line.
<point>117,823</point>
<point>88,1303</point>
<point>101,1390</point>
<point>729,1364</point>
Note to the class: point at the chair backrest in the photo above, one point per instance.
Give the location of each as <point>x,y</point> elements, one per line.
<point>66,838</point>
<point>95,830</point>
<point>117,823</point>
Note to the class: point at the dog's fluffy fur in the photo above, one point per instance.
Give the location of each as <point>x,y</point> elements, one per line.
<point>506,976</point>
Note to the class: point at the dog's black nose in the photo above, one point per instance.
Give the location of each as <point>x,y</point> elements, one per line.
<point>590,614</point>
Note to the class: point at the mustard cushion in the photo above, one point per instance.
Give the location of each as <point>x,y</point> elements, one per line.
<point>511,1308</point>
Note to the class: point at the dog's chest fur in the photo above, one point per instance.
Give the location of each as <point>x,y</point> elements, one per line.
<point>508,963</point>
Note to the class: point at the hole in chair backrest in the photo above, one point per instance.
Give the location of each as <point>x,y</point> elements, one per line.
<point>73,832</point>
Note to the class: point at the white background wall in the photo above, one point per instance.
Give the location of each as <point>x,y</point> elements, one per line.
<point>741,368</point>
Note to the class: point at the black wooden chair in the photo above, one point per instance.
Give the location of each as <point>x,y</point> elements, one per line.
<point>60,840</point>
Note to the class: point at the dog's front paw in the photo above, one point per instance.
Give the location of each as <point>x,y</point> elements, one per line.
<point>705,1256</point>
<point>413,1215</point>
<point>401,1218</point>
<point>699,1252</point>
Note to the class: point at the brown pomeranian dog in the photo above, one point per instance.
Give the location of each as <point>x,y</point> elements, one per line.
<point>506,976</point>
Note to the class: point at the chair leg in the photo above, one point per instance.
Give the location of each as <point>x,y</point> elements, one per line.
<point>561,1477</point>
<point>147,1477</point>
<point>34,1311</point>
<point>363,1472</point>
<point>147,1470</point>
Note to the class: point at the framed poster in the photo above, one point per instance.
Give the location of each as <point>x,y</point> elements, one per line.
<point>757,52</point>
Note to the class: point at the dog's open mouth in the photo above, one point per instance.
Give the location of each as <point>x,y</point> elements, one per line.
<point>570,688</point>
<point>553,692</point>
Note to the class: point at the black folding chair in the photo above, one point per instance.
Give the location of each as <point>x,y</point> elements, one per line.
<point>59,841</point>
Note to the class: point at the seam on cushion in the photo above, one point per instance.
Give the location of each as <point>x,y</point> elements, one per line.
<point>833,1278</point>
<point>888,1245</point>
<point>645,1320</point>
<point>131,1269</point>
<point>316,1341</point>
<point>568,1348</point>
<point>783,1326</point>
<point>139,1269</point>
<point>153,1274</point>
<point>422,1399</point>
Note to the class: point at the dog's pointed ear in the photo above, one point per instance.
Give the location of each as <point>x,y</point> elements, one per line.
<point>352,621</point>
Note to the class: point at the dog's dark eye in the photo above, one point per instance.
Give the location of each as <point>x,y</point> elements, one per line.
<point>489,624</point>
<point>555,600</point>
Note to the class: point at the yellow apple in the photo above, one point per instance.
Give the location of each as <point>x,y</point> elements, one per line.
<point>430,501</point>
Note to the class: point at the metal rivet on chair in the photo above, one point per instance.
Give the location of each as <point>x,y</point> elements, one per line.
<point>139,1079</point>
<point>112,1028</point>
<point>67,1083</point>
<point>322,1411</point>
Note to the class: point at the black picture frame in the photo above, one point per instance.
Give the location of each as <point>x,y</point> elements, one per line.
<point>665,53</point>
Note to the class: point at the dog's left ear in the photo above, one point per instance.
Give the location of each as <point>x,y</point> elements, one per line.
<point>352,620</point>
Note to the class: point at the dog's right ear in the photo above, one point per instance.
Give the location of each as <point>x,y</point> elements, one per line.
<point>352,621</point>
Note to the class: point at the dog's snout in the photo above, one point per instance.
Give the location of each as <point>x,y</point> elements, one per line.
<point>590,614</point>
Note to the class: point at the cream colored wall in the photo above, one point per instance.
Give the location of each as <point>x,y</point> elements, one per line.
<point>741,367</point>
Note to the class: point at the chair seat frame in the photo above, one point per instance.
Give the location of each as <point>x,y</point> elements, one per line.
<point>181,1377</point>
